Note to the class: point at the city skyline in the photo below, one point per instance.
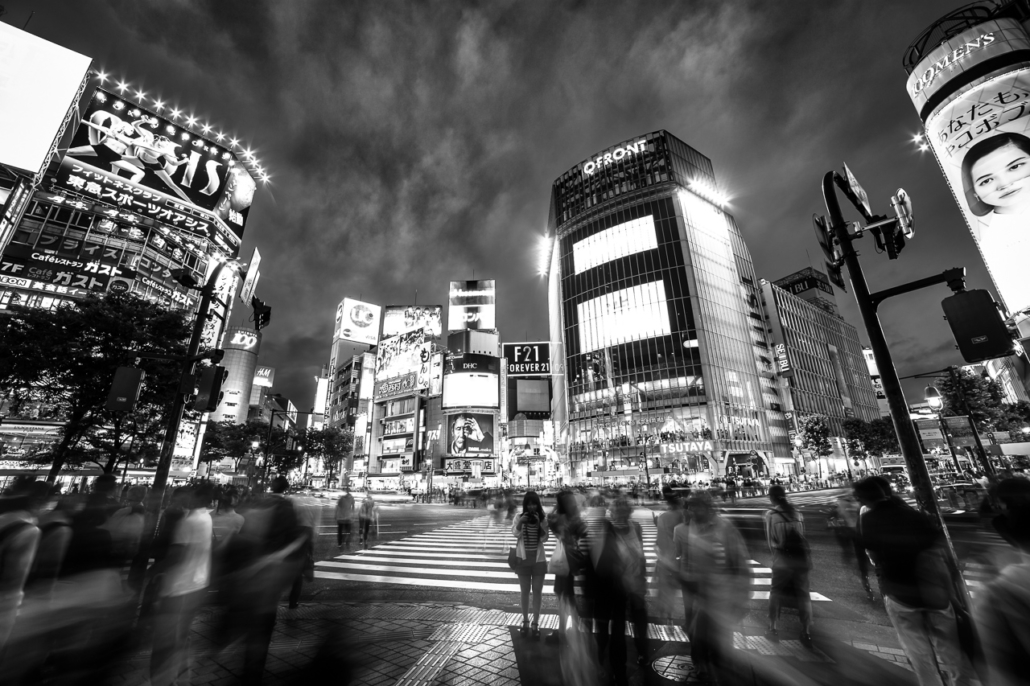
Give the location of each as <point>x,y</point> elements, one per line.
<point>413,153</point>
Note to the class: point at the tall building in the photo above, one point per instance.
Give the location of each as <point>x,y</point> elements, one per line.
<point>819,359</point>
<point>316,419</point>
<point>241,347</point>
<point>656,316</point>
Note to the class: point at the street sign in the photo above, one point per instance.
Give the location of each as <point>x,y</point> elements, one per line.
<point>250,283</point>
<point>902,204</point>
<point>859,192</point>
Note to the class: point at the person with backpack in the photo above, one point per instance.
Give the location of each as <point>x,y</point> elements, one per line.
<point>791,562</point>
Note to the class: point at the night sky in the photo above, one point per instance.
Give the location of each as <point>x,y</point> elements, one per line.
<point>414,143</point>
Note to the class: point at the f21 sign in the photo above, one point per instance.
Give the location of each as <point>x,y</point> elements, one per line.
<point>528,359</point>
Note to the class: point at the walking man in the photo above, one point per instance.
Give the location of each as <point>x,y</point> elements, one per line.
<point>344,517</point>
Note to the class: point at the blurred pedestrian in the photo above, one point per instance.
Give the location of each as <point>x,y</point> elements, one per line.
<point>621,589</point>
<point>666,566</point>
<point>183,576</point>
<point>915,583</point>
<point>344,519</point>
<point>226,521</point>
<point>19,538</point>
<point>531,560</point>
<point>568,529</point>
<point>791,562</point>
<point>307,520</point>
<point>1002,608</point>
<point>126,525</point>
<point>844,523</point>
<point>368,519</point>
<point>717,577</point>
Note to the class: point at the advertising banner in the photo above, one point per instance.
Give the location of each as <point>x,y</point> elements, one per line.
<point>120,139</point>
<point>930,435</point>
<point>393,446</point>
<point>401,385</point>
<point>399,426</point>
<point>69,272</point>
<point>39,83</point>
<point>470,433</point>
<point>404,354</point>
<point>358,322</point>
<point>982,141</point>
<point>401,318</point>
<point>528,359</point>
<point>471,381</point>
<point>436,375</point>
<point>472,305</point>
<point>264,376</point>
<point>250,283</point>
<point>962,432</point>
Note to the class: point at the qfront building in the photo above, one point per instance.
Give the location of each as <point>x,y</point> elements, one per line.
<point>656,313</point>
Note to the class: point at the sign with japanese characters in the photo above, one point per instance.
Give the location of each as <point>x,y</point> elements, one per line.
<point>465,465</point>
<point>981,138</point>
<point>71,272</point>
<point>138,160</point>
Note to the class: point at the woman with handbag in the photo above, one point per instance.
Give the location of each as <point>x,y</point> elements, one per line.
<point>567,560</point>
<point>530,561</point>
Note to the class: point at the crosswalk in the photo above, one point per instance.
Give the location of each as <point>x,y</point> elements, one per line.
<point>472,555</point>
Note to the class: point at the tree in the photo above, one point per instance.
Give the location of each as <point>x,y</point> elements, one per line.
<point>814,431</point>
<point>229,440</point>
<point>983,396</point>
<point>873,439</point>
<point>331,445</point>
<point>23,361</point>
<point>82,345</point>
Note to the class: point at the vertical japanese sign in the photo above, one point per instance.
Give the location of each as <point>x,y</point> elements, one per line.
<point>250,283</point>
<point>13,209</point>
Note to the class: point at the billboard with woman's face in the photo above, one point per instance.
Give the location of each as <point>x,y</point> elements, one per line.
<point>982,141</point>
<point>980,133</point>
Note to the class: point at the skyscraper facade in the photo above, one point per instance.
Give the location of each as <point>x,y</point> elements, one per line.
<point>655,314</point>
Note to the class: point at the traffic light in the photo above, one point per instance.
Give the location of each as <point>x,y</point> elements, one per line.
<point>262,313</point>
<point>209,389</point>
<point>128,381</point>
<point>977,325</point>
<point>824,236</point>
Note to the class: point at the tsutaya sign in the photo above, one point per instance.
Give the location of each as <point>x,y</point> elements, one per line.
<point>614,156</point>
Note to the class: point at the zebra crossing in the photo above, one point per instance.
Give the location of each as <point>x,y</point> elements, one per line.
<point>472,556</point>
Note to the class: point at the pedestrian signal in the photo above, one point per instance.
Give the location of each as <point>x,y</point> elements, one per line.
<point>125,389</point>
<point>977,325</point>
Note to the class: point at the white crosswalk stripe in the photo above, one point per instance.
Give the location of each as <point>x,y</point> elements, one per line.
<point>472,555</point>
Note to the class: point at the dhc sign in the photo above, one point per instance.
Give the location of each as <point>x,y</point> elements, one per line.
<point>614,156</point>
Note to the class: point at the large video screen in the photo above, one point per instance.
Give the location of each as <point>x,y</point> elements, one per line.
<point>406,353</point>
<point>628,238</point>
<point>472,305</point>
<point>632,314</point>
<point>358,322</point>
<point>470,433</point>
<point>400,318</point>
<point>470,390</point>
<point>39,82</point>
<point>532,395</point>
<point>982,141</point>
<point>132,157</point>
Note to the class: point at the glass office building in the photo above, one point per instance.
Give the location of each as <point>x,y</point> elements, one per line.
<point>655,311</point>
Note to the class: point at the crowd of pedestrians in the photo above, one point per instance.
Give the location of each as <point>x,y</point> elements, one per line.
<point>67,606</point>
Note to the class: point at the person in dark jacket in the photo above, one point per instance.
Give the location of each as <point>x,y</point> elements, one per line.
<point>915,583</point>
<point>568,527</point>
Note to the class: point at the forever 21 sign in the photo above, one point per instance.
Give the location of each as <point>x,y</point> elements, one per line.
<point>528,359</point>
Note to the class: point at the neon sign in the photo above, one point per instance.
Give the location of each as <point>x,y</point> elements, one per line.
<point>614,156</point>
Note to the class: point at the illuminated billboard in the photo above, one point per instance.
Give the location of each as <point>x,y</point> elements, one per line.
<point>471,380</point>
<point>129,156</point>
<point>436,375</point>
<point>264,376</point>
<point>528,359</point>
<point>406,353</point>
<point>400,318</point>
<point>632,314</point>
<point>629,238</point>
<point>981,138</point>
<point>532,395</point>
<point>39,83</point>
<point>358,322</point>
<point>470,434</point>
<point>472,305</point>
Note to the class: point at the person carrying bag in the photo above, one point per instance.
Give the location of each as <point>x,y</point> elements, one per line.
<point>528,558</point>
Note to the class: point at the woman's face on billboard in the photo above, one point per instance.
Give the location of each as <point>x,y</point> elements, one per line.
<point>1002,179</point>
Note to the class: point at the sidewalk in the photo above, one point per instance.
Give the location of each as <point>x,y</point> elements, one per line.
<point>419,644</point>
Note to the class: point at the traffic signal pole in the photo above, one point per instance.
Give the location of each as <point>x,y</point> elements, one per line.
<point>906,432</point>
<point>164,464</point>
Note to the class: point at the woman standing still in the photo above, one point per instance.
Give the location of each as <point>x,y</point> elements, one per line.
<point>531,530</point>
<point>791,562</point>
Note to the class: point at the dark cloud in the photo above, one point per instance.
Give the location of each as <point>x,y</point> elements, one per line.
<point>411,143</point>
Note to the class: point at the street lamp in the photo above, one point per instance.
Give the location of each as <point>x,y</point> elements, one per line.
<point>933,398</point>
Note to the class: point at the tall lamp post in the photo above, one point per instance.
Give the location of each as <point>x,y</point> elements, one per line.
<point>936,402</point>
